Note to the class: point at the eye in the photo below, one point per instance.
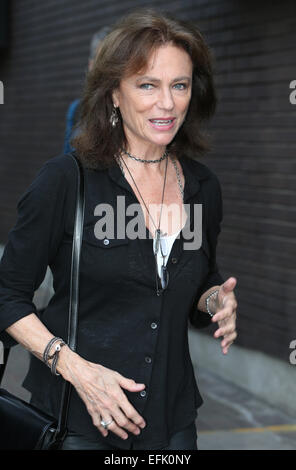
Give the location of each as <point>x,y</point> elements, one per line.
<point>146,86</point>
<point>181,86</point>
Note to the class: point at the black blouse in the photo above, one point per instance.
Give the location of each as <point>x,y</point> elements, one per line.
<point>123,324</point>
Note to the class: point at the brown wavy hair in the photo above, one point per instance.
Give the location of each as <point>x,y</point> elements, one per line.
<point>125,51</point>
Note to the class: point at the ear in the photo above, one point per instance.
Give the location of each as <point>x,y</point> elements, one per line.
<point>115,97</point>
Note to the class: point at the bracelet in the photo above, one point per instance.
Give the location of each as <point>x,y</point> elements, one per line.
<point>208,300</point>
<point>48,347</point>
<point>56,358</point>
<point>55,355</point>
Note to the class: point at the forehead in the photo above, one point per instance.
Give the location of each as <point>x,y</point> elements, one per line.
<point>166,60</point>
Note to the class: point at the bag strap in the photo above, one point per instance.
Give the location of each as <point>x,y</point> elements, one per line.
<point>5,360</point>
<point>74,294</point>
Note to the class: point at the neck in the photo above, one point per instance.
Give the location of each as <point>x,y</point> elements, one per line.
<point>151,153</point>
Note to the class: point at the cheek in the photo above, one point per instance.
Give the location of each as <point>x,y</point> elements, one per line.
<point>136,108</point>
<point>183,104</point>
<point>143,103</point>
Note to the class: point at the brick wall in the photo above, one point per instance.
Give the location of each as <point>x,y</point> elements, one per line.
<point>253,136</point>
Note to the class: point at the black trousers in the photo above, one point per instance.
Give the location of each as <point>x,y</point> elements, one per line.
<point>182,440</point>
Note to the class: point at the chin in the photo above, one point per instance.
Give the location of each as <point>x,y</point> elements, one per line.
<point>163,140</point>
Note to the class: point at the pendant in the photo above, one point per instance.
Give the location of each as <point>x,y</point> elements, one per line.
<point>157,240</point>
<point>158,235</point>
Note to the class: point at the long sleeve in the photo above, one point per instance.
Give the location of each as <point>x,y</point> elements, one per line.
<point>213,218</point>
<point>32,244</point>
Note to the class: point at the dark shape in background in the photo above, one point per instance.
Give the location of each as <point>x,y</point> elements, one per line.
<point>4,24</point>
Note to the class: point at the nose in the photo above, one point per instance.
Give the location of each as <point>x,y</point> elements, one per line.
<point>165,99</point>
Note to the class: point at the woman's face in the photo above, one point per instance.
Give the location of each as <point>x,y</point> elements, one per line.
<point>153,104</point>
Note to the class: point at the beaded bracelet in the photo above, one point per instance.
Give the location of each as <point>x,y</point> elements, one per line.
<point>208,300</point>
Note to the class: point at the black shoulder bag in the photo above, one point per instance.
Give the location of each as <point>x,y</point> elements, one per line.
<point>23,426</point>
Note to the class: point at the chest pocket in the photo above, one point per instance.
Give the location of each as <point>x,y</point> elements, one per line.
<point>104,260</point>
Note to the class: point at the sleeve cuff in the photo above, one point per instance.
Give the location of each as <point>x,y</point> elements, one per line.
<point>198,318</point>
<point>9,317</point>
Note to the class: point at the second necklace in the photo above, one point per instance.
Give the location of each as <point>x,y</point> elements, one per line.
<point>158,232</point>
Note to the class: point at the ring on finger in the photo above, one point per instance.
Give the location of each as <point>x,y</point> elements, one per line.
<point>106,424</point>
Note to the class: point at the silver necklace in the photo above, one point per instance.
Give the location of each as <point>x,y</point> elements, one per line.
<point>146,161</point>
<point>179,179</point>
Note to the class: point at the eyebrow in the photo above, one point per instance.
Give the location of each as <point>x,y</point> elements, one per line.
<point>152,79</point>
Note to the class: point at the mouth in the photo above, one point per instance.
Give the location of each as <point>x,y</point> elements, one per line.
<point>164,124</point>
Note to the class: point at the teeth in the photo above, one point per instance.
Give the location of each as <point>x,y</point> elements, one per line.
<point>158,121</point>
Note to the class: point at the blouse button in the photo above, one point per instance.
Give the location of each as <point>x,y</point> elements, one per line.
<point>153,326</point>
<point>143,393</point>
<point>106,241</point>
<point>148,359</point>
<point>174,260</point>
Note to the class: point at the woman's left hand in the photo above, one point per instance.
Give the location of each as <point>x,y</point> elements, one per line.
<point>225,315</point>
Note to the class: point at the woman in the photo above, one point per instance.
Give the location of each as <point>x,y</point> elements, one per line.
<point>150,88</point>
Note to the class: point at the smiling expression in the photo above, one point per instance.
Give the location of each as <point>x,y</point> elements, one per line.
<point>153,103</point>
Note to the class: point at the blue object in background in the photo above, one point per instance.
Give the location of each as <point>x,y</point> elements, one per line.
<point>71,120</point>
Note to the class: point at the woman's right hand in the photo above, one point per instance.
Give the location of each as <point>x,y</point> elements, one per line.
<point>100,389</point>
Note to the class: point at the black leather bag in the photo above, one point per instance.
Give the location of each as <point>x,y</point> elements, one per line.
<point>22,425</point>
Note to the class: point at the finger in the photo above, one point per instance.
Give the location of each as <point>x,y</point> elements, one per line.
<point>106,416</point>
<point>226,348</point>
<point>128,411</point>
<point>123,402</point>
<point>117,401</point>
<point>132,413</point>
<point>99,414</point>
<point>229,300</point>
<point>113,404</point>
<point>117,404</point>
<point>223,314</point>
<point>123,421</point>
<point>228,340</point>
<point>96,420</point>
<point>228,286</point>
<point>226,327</point>
<point>101,428</point>
<point>129,384</point>
<point>113,427</point>
<point>224,331</point>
